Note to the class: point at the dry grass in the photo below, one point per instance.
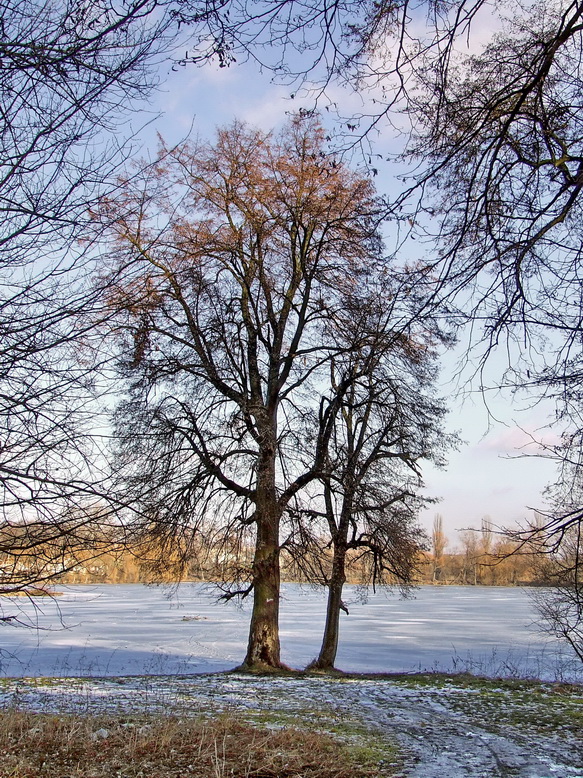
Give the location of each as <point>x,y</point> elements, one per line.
<point>38,745</point>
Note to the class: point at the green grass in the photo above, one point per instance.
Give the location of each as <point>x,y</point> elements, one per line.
<point>533,706</point>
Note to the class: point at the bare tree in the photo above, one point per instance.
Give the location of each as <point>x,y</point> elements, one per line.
<point>70,73</point>
<point>386,424</point>
<point>66,70</point>
<point>500,152</point>
<point>229,263</point>
<point>364,45</point>
<point>556,550</point>
<point>496,147</point>
<point>560,604</point>
<point>438,544</point>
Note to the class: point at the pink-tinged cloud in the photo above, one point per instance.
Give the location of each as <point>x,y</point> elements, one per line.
<point>516,440</point>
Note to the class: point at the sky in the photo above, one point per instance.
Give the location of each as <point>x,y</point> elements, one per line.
<point>492,474</point>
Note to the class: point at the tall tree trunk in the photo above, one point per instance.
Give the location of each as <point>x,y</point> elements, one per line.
<point>329,647</point>
<point>263,648</point>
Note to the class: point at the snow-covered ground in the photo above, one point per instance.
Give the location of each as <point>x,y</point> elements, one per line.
<point>133,630</point>
<point>442,728</point>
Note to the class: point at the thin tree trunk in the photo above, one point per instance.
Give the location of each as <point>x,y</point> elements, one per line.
<point>329,647</point>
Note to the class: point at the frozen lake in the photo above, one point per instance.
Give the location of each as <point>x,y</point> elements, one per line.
<point>133,629</point>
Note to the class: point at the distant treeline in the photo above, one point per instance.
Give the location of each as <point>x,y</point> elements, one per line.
<point>502,565</point>
<point>481,557</point>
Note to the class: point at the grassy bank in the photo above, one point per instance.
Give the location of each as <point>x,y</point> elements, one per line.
<point>34,745</point>
<point>289,725</point>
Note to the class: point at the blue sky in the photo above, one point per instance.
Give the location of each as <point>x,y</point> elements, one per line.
<point>489,475</point>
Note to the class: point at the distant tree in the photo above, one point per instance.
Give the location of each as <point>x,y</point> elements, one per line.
<point>486,535</point>
<point>438,545</point>
<point>470,551</point>
<point>36,553</point>
<point>229,263</point>
<point>487,556</point>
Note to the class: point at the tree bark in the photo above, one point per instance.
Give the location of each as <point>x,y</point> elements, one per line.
<point>263,648</point>
<point>329,647</point>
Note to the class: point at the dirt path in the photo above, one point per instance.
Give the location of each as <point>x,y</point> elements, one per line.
<point>443,730</point>
<point>441,742</point>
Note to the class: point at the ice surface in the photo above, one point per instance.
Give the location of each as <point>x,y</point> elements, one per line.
<point>112,630</point>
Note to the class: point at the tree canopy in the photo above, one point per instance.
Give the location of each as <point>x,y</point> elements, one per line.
<point>232,263</point>
<point>492,141</point>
